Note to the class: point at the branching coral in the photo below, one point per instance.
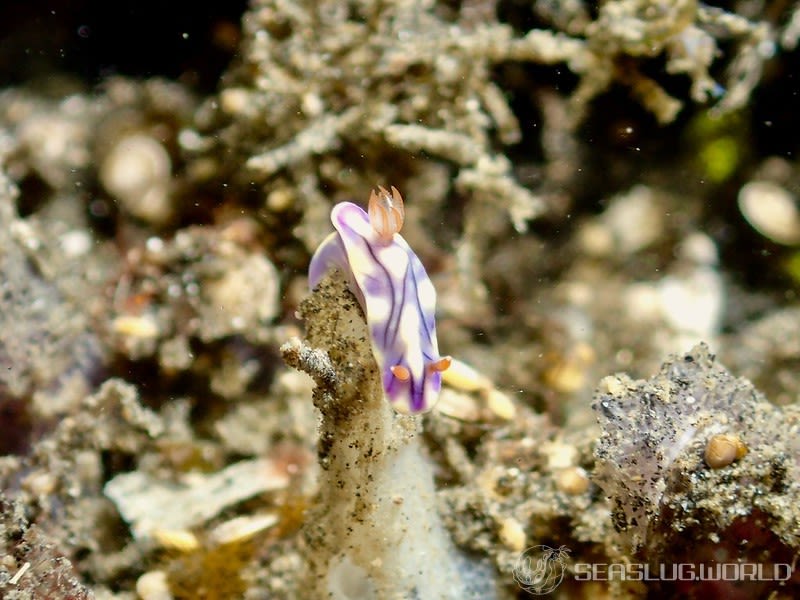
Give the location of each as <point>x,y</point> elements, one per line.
<point>319,79</point>
<point>686,33</point>
<point>372,78</point>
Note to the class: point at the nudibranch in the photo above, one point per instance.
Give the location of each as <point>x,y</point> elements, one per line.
<point>395,293</point>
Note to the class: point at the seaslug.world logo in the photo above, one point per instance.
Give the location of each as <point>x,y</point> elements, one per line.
<point>540,569</point>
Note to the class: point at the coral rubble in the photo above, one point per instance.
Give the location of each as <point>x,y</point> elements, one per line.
<point>653,464</point>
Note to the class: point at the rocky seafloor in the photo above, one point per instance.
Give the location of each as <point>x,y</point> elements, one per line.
<point>605,197</point>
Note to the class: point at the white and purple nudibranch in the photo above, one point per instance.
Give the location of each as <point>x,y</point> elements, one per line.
<point>395,293</point>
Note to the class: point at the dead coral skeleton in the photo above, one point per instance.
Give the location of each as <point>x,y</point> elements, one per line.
<point>686,33</point>
<point>317,78</point>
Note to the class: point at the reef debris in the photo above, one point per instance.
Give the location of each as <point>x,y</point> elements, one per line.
<point>651,464</point>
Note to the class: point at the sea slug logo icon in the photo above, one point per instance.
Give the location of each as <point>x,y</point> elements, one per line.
<point>540,569</point>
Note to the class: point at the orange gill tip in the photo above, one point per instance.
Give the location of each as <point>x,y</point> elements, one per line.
<point>440,365</point>
<point>400,372</point>
<point>386,212</point>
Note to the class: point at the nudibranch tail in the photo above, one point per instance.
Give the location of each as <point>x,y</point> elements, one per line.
<point>386,213</point>
<point>395,292</point>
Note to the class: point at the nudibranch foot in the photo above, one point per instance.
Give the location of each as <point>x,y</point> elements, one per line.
<point>395,293</point>
<point>330,254</point>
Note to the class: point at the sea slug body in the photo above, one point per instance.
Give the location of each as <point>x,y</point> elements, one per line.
<point>395,293</point>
